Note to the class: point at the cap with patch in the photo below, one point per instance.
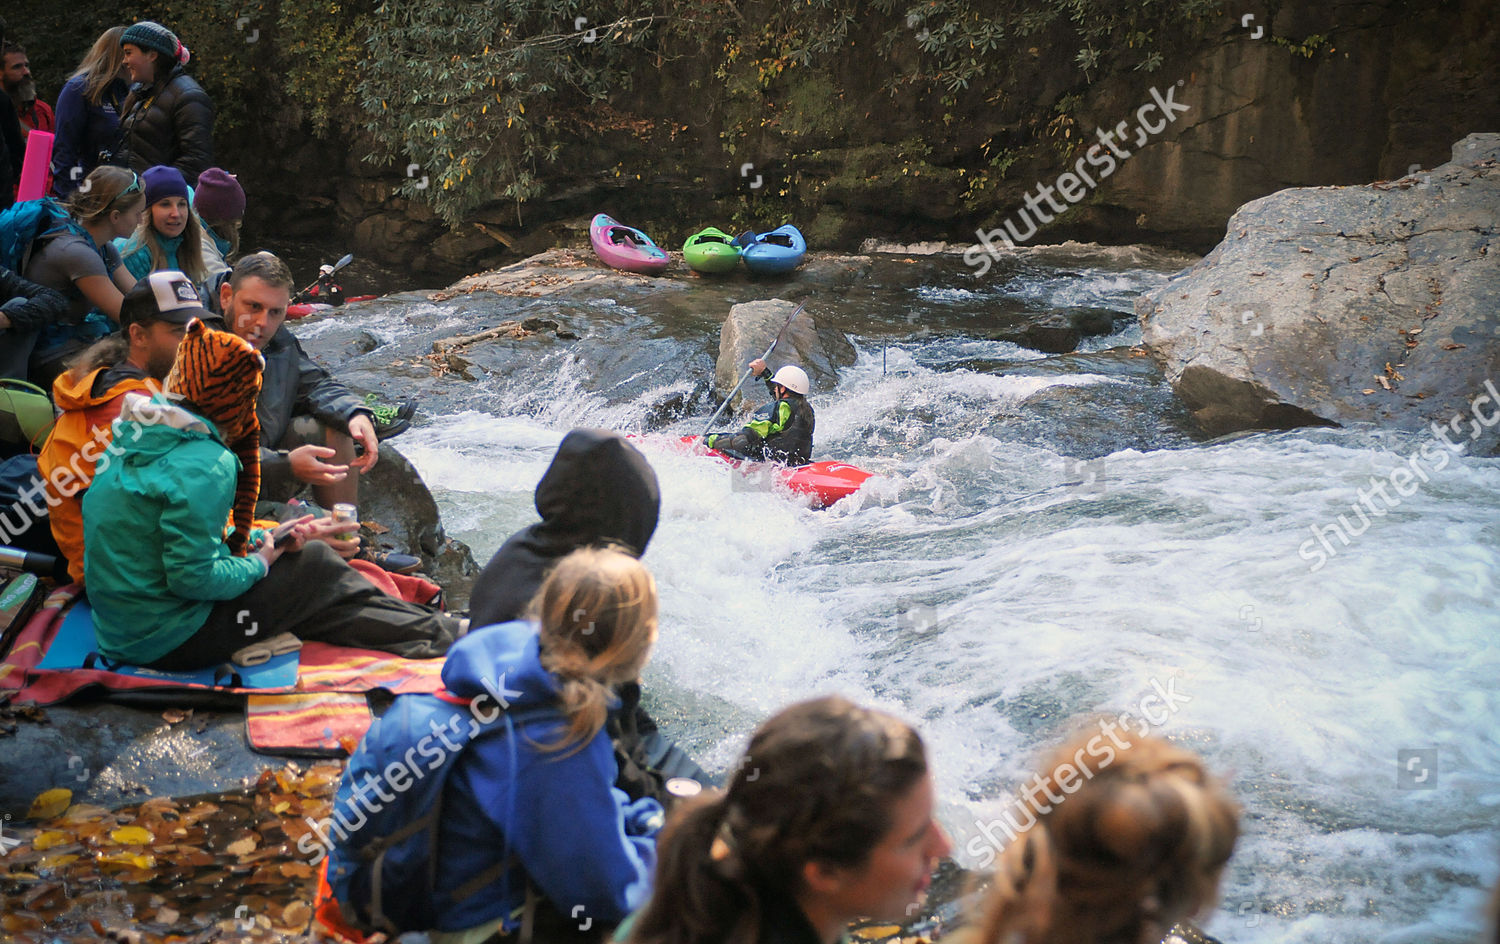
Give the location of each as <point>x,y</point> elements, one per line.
<point>163,296</point>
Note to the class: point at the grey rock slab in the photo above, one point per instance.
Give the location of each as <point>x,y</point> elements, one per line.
<point>1337,305</point>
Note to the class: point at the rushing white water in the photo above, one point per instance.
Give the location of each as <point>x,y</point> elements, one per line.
<point>1000,593</point>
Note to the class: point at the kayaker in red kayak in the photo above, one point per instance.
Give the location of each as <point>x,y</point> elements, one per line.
<point>782,430</point>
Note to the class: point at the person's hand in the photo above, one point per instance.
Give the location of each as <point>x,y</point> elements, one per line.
<point>308,465</point>
<point>332,532</point>
<point>4,321</point>
<point>290,535</point>
<point>757,367</point>
<point>363,432</point>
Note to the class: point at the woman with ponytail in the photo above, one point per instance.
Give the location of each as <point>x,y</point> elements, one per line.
<point>828,818</point>
<point>76,256</point>
<point>527,805</point>
<point>1137,845</point>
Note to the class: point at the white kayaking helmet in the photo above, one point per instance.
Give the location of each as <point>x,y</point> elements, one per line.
<point>792,378</point>
<point>324,269</point>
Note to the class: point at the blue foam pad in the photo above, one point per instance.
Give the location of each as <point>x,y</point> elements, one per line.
<point>75,642</point>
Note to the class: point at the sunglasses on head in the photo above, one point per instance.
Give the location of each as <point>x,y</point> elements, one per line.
<point>135,187</point>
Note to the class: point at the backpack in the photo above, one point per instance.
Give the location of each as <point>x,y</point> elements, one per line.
<point>383,872</point>
<point>26,222</point>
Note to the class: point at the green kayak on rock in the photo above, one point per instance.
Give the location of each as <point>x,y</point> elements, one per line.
<point>711,251</point>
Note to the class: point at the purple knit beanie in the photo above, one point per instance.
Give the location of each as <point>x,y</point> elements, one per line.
<point>219,196</point>
<point>162,182</point>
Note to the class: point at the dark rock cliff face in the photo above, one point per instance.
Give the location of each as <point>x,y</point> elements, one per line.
<point>1335,93</point>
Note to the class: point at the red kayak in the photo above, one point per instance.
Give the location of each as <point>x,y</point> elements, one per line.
<point>303,309</point>
<point>823,482</point>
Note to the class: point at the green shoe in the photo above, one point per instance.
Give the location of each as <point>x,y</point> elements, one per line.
<point>391,420</point>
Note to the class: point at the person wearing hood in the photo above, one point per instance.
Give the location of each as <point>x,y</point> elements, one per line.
<point>599,490</point>
<point>169,589</point>
<point>153,318</point>
<point>168,118</point>
<point>524,795</point>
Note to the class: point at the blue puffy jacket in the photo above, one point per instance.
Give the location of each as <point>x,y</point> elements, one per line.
<point>586,847</point>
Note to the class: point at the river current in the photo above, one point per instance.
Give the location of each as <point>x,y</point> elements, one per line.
<point>1050,542</point>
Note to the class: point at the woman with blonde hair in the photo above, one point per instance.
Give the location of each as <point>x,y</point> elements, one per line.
<point>169,237</point>
<point>516,775</point>
<point>76,257</point>
<point>1136,845</point>
<point>88,113</point>
<point>827,818</point>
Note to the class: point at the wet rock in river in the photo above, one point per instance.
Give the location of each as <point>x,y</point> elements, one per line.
<point>750,329</point>
<point>1365,304</point>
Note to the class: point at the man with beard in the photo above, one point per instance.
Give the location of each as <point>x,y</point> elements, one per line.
<point>34,114</point>
<point>12,148</point>
<point>153,319</point>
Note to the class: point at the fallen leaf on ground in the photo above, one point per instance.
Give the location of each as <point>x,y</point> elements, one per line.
<point>49,839</point>
<point>240,847</point>
<point>49,803</point>
<point>132,836</point>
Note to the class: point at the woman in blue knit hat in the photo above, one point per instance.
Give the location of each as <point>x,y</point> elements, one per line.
<point>168,118</point>
<point>169,235</point>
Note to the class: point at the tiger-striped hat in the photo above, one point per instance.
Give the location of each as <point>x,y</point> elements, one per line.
<point>217,375</point>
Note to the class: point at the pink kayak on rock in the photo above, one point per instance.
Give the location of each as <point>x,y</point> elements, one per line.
<point>625,247</point>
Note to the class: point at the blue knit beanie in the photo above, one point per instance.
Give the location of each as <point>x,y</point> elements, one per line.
<point>148,34</point>
<point>162,182</point>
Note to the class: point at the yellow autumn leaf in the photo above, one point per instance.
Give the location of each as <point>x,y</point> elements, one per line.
<point>132,836</point>
<point>50,803</point>
<point>877,932</point>
<point>47,863</point>
<point>127,859</point>
<point>49,839</point>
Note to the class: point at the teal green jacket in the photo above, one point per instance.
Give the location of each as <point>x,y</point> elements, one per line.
<point>154,558</point>
<point>137,255</point>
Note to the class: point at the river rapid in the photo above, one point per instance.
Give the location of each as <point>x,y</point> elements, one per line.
<point>1049,542</point>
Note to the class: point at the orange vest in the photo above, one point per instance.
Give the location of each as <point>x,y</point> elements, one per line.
<point>80,438</point>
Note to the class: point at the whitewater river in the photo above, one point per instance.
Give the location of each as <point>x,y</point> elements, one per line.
<point>1049,542</point>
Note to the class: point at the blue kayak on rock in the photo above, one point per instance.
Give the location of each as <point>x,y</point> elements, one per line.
<point>780,250</point>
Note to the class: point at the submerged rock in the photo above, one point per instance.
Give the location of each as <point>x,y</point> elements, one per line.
<point>1324,306</point>
<point>750,329</point>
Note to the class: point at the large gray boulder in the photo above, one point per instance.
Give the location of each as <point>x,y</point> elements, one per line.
<point>750,329</point>
<point>394,496</point>
<point>1333,305</point>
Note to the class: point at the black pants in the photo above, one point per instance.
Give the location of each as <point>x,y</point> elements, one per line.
<point>315,596</point>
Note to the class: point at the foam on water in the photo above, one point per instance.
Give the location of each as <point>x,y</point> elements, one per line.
<point>999,593</point>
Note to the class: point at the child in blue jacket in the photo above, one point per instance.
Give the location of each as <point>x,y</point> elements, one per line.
<point>529,795</point>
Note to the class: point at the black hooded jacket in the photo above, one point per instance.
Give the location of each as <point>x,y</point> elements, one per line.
<point>598,488</point>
